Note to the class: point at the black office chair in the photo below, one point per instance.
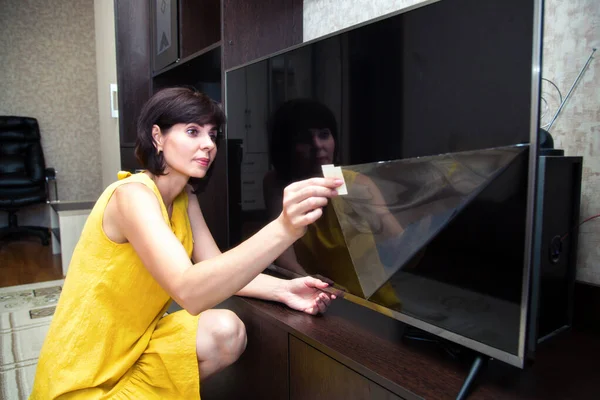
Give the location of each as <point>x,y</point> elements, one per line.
<point>24,177</point>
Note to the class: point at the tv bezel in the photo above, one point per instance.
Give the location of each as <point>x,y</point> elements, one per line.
<point>527,326</point>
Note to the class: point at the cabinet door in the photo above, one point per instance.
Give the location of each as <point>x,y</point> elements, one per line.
<point>253,29</point>
<point>314,375</point>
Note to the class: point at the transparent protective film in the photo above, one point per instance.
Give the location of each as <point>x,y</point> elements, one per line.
<point>398,207</point>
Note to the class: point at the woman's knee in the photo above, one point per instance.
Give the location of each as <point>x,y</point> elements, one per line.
<point>226,330</point>
<point>230,329</point>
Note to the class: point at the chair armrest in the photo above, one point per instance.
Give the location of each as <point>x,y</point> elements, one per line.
<point>50,173</point>
<point>51,176</point>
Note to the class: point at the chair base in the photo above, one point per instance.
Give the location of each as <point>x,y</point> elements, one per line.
<point>16,232</point>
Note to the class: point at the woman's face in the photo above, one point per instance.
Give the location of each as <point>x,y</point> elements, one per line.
<point>188,149</point>
<point>324,145</point>
<point>318,149</point>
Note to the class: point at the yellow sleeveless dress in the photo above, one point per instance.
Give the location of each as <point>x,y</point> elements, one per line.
<point>108,337</point>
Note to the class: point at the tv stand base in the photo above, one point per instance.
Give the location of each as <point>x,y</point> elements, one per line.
<point>455,351</point>
<point>478,364</point>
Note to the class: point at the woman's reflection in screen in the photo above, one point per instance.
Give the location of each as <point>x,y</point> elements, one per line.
<point>304,136</point>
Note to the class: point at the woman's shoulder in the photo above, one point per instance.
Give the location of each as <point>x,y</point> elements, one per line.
<point>133,192</point>
<point>130,184</point>
<point>126,186</point>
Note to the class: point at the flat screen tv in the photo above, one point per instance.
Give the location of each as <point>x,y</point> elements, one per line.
<point>432,115</point>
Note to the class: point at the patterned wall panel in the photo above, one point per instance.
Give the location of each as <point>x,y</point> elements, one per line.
<point>322,17</point>
<point>571,30</point>
<point>48,71</point>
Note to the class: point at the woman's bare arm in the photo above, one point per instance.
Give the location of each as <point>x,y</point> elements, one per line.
<point>198,287</point>
<point>262,287</point>
<point>273,195</point>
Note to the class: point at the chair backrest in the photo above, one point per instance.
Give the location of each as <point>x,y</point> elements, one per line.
<point>21,155</point>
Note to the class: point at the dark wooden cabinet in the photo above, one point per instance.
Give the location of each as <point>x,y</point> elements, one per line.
<point>279,365</point>
<point>199,35</point>
<point>314,375</point>
<point>254,29</point>
<point>134,71</point>
<point>199,25</point>
<point>354,353</point>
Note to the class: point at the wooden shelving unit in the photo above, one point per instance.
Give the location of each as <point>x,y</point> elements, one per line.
<point>199,57</point>
<point>213,35</point>
<point>197,70</point>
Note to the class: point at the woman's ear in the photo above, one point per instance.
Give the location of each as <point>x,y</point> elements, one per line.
<point>157,138</point>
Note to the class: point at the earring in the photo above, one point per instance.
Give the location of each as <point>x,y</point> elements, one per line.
<point>158,151</point>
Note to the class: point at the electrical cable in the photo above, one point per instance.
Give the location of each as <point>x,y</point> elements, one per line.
<point>546,103</point>
<point>578,225</point>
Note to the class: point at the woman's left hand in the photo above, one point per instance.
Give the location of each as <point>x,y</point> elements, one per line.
<point>304,294</point>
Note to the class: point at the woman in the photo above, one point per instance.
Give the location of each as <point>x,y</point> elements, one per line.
<point>109,337</point>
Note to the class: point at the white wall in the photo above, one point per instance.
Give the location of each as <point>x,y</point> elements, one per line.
<point>571,30</point>
<point>60,74</point>
<point>48,71</point>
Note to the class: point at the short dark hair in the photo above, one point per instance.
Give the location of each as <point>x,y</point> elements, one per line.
<point>168,107</point>
<point>291,121</point>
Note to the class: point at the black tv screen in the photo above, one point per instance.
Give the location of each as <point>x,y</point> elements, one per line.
<point>429,114</point>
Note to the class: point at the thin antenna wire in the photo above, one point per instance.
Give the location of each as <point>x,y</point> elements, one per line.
<point>571,90</point>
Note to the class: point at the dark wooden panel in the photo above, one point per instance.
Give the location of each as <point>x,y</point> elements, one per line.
<point>213,199</point>
<point>132,26</point>
<point>253,29</point>
<point>199,25</point>
<point>313,375</point>
<point>262,371</point>
<point>128,160</point>
<point>370,344</point>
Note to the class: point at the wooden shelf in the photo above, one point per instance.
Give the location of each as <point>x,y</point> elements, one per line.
<point>188,60</point>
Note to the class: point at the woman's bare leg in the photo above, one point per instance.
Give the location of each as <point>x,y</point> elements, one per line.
<point>220,340</point>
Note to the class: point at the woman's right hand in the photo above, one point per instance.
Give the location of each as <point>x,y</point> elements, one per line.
<point>303,202</point>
